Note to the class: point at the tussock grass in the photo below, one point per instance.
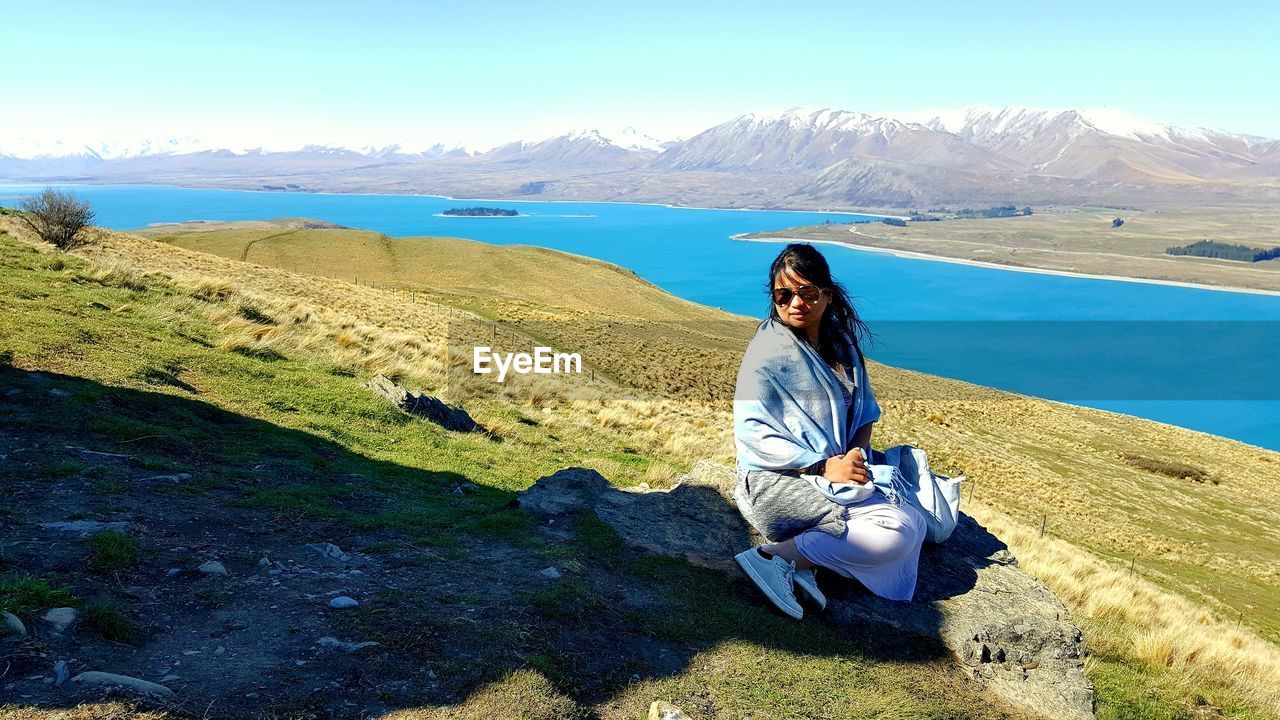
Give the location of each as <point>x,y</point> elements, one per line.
<point>27,596</point>
<point>1127,615</point>
<point>107,622</point>
<point>114,710</point>
<point>111,551</point>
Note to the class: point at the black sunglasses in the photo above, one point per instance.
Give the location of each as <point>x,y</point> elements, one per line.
<point>807,293</point>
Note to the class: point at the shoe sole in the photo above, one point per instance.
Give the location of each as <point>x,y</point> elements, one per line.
<point>818,600</point>
<point>755,577</point>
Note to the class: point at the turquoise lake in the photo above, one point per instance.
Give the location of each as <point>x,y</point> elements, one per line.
<point>1198,358</point>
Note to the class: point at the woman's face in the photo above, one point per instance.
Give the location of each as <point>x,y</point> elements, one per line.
<point>798,313</point>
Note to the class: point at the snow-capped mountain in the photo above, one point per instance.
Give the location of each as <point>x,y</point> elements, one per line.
<point>812,139</point>
<point>580,148</point>
<point>797,156</point>
<point>1101,143</point>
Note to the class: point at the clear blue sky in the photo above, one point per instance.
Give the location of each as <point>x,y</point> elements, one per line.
<point>480,72</point>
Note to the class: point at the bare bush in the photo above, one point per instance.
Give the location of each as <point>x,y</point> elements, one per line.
<point>59,218</point>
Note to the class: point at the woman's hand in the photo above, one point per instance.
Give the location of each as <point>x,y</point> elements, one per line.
<point>847,469</point>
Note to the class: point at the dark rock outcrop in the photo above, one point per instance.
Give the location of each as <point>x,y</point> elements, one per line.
<point>999,622</point>
<point>691,520</point>
<point>424,406</point>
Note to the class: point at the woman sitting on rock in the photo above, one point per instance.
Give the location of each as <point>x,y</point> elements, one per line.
<point>803,410</point>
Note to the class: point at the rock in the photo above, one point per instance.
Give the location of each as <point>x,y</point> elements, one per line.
<point>342,601</point>
<point>60,619</point>
<point>175,478</point>
<point>84,527</point>
<point>663,710</point>
<point>60,673</point>
<point>1000,623</point>
<point>11,626</point>
<point>424,406</point>
<point>133,684</point>
<point>170,678</point>
<point>550,573</point>
<point>692,520</point>
<point>98,306</point>
<point>332,643</point>
<point>212,567</point>
<point>330,551</point>
<point>58,393</point>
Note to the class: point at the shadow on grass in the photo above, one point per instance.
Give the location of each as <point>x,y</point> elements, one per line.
<point>461,601</point>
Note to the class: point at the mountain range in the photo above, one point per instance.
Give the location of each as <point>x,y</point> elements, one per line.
<point>800,157</point>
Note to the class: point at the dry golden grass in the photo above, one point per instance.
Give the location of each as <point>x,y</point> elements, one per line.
<point>1134,618</point>
<point>522,695</point>
<point>90,711</point>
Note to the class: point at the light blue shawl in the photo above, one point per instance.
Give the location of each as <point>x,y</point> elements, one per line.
<point>788,405</point>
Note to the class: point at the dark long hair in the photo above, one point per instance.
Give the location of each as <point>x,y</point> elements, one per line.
<point>804,260</point>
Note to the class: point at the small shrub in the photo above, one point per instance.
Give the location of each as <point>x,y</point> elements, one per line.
<point>111,550</point>
<point>59,218</point>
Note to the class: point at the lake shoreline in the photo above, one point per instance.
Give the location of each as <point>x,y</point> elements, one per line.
<point>916,255</point>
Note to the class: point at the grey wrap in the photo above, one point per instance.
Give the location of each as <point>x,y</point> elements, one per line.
<point>782,505</point>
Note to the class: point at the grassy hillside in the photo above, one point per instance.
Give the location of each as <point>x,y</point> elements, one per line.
<point>252,375</point>
<point>1211,541</point>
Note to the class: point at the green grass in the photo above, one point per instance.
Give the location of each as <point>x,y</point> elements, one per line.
<point>27,596</point>
<point>111,551</point>
<point>107,622</point>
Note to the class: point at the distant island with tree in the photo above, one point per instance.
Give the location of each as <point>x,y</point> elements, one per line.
<point>480,212</point>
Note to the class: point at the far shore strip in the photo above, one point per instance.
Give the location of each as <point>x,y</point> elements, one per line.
<point>913,255</point>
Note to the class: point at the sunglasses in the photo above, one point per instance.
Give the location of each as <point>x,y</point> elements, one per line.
<point>807,293</point>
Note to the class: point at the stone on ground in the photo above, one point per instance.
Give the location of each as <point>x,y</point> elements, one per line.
<point>424,406</point>
<point>133,684</point>
<point>663,710</point>
<point>10,625</point>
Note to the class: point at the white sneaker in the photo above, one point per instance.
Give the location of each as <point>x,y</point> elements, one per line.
<point>774,577</point>
<point>806,581</point>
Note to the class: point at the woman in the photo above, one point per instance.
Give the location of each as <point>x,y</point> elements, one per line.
<point>803,412</point>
